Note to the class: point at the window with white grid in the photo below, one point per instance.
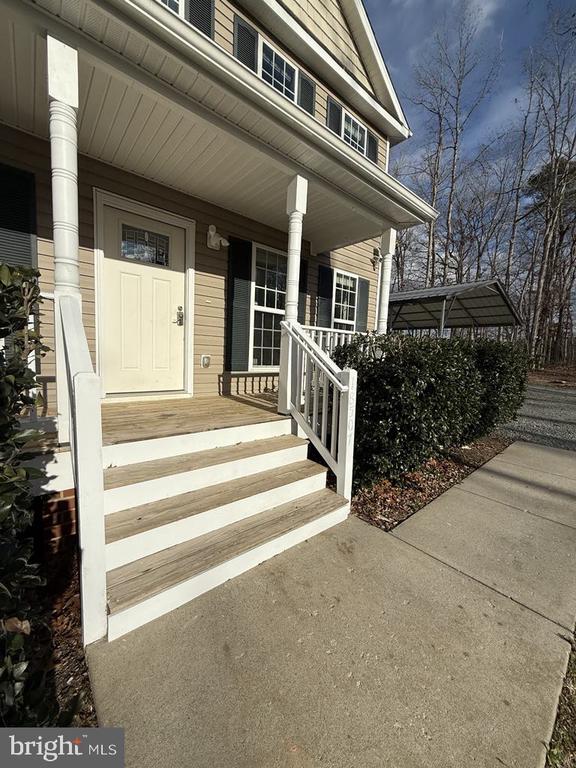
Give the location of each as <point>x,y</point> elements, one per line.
<point>269,306</point>
<point>354,133</point>
<point>278,72</point>
<point>174,5</point>
<point>345,299</point>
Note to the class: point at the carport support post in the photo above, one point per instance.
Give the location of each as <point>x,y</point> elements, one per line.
<point>296,202</point>
<point>63,108</point>
<point>387,249</point>
<point>443,317</point>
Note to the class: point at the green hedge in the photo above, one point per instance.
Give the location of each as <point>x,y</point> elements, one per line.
<point>24,668</point>
<point>418,396</point>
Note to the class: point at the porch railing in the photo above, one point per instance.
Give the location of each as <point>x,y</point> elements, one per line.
<point>84,393</point>
<point>321,398</point>
<point>328,338</point>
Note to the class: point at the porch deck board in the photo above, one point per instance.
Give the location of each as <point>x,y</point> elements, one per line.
<point>146,419</point>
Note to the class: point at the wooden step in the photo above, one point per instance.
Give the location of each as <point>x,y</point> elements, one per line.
<point>135,484</point>
<point>140,531</point>
<point>154,585</point>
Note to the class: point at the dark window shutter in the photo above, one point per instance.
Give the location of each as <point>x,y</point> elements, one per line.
<point>334,117</point>
<point>324,302</point>
<point>302,292</point>
<point>372,148</point>
<point>362,305</point>
<point>245,43</point>
<point>306,93</point>
<point>238,305</point>
<point>200,13</point>
<point>17,217</point>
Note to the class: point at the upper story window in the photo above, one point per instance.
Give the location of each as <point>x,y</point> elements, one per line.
<point>253,51</point>
<point>278,72</point>
<point>199,13</point>
<point>351,130</point>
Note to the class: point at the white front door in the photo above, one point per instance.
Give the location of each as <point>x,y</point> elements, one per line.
<point>143,304</point>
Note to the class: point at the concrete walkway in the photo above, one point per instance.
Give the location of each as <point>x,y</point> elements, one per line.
<point>440,645</point>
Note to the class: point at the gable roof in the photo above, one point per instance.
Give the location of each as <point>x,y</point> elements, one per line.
<point>376,101</point>
<point>325,19</point>
<point>363,32</point>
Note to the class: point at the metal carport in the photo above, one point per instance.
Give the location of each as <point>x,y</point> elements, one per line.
<point>466,305</point>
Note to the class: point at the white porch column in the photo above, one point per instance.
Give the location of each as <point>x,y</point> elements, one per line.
<point>296,200</point>
<point>63,108</point>
<point>295,208</point>
<point>387,249</point>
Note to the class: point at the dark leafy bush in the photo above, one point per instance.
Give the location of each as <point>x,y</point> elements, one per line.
<point>503,368</point>
<point>22,690</point>
<point>416,397</point>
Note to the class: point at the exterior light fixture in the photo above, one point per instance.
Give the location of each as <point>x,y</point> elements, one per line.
<point>214,240</point>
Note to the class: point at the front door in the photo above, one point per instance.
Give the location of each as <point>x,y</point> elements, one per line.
<point>143,304</point>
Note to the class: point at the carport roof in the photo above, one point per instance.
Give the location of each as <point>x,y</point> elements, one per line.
<point>484,303</point>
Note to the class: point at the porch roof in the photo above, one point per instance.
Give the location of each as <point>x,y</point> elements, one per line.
<point>178,110</point>
<point>483,303</point>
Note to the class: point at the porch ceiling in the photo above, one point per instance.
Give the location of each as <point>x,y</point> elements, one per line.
<point>154,115</point>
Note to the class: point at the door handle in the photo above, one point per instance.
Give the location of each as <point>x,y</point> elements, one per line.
<point>179,316</point>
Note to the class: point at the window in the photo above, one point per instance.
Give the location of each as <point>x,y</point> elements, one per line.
<point>269,305</point>
<point>351,130</point>
<point>174,5</point>
<point>354,134</point>
<point>198,13</point>
<point>345,301</point>
<point>143,245</point>
<point>278,72</point>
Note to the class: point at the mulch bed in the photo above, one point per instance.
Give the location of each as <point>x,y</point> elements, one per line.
<point>387,504</point>
<point>70,681</point>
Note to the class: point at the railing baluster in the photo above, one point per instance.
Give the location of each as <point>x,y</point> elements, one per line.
<point>315,400</point>
<point>324,430</point>
<point>335,421</point>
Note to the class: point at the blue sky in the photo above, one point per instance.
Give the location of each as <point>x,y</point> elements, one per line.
<point>403,28</point>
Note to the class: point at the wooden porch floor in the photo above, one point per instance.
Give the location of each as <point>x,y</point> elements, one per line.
<point>125,422</point>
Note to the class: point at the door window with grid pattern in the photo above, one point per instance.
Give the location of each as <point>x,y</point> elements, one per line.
<point>269,306</point>
<point>345,300</point>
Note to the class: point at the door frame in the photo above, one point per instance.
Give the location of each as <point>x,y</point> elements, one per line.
<point>104,198</point>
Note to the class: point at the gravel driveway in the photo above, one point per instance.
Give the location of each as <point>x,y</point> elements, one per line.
<point>548,417</point>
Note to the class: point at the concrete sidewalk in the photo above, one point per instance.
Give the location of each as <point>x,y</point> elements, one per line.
<point>442,644</point>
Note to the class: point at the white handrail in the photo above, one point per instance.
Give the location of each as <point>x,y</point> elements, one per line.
<point>323,360</point>
<point>86,448</point>
<point>321,398</point>
<point>329,338</point>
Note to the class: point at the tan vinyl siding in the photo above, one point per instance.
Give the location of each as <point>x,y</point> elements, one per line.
<point>325,21</point>
<point>383,152</point>
<point>224,25</point>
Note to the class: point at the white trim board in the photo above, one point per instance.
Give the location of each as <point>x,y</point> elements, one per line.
<point>103,198</point>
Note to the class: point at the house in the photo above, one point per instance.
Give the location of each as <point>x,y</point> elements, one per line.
<point>204,187</point>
